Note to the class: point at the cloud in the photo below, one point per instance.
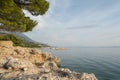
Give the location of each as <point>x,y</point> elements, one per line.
<point>82,27</point>
<point>79,23</point>
<point>93,15</point>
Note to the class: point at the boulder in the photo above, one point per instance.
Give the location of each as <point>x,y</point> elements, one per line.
<point>86,76</point>
<point>16,64</point>
<point>6,44</point>
<point>50,65</point>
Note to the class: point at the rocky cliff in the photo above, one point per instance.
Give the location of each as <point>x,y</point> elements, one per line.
<point>18,63</point>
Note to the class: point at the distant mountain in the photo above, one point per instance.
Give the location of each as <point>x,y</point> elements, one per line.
<point>24,37</point>
<point>29,40</point>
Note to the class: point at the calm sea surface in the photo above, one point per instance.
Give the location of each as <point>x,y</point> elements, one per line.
<point>104,62</point>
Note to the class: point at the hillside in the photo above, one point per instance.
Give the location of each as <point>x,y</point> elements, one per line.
<point>30,41</point>
<point>20,39</point>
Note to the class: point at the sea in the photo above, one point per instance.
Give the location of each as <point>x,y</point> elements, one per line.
<point>103,62</point>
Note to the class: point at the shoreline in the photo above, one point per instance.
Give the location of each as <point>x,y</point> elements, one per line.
<point>20,63</point>
<point>54,48</point>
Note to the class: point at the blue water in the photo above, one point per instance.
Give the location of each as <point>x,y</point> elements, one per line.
<point>103,62</point>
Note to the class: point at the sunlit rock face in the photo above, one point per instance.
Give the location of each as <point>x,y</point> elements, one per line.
<point>20,63</point>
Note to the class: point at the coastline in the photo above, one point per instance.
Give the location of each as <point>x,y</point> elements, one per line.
<point>20,63</point>
<point>55,48</point>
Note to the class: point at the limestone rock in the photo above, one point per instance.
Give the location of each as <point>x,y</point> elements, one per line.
<point>50,65</point>
<point>6,44</point>
<point>34,51</point>
<point>15,63</point>
<point>20,63</point>
<point>86,76</point>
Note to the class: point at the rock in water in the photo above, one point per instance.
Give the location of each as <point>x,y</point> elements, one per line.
<point>86,76</point>
<point>18,63</point>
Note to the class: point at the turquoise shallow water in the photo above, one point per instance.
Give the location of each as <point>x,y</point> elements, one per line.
<point>104,62</point>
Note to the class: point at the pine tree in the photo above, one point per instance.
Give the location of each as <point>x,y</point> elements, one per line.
<point>12,17</point>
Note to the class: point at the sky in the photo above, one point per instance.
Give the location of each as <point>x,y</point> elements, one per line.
<point>89,23</point>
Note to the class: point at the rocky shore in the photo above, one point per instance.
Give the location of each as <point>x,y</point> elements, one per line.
<point>18,63</point>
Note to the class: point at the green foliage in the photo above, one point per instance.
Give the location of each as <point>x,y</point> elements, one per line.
<point>20,42</point>
<point>17,41</point>
<point>38,7</point>
<point>13,19</point>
